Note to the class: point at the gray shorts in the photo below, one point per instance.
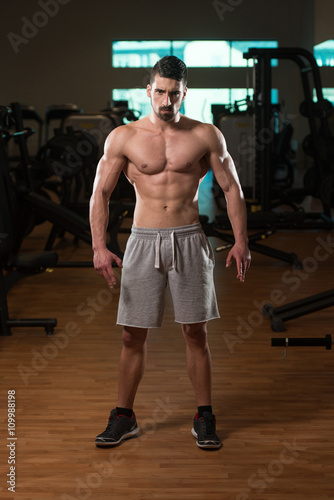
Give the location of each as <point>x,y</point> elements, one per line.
<point>181,257</point>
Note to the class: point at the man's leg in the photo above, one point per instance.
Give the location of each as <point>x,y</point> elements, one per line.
<point>122,422</point>
<point>199,371</point>
<point>198,361</point>
<point>132,364</point>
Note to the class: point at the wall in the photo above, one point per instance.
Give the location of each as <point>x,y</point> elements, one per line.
<point>324,15</point>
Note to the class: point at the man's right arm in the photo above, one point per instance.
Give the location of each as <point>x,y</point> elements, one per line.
<point>107,174</point>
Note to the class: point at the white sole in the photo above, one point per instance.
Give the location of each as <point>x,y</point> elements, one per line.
<point>204,446</point>
<point>114,443</point>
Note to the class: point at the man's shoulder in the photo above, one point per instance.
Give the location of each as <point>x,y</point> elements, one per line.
<point>121,134</point>
<point>128,129</point>
<point>198,126</point>
<point>209,134</point>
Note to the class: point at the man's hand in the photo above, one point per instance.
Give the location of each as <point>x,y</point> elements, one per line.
<point>242,256</point>
<point>103,265</point>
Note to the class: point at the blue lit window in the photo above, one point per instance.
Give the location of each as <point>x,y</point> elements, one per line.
<point>324,53</point>
<point>327,92</point>
<point>195,53</point>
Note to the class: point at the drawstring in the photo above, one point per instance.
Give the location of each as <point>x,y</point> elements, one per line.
<point>173,249</point>
<point>157,250</point>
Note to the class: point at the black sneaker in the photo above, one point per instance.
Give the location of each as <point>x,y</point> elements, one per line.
<point>119,427</point>
<point>204,430</point>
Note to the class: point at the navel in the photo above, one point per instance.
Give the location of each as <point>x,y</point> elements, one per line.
<point>165,207</point>
<point>188,164</point>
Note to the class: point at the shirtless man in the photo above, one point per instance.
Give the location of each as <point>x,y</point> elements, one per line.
<point>165,155</point>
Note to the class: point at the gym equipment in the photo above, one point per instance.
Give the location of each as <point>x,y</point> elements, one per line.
<point>320,143</point>
<point>29,172</point>
<point>77,184</point>
<point>36,202</point>
<point>76,173</point>
<point>16,265</point>
<point>74,151</point>
<point>100,125</point>
<point>270,192</point>
<point>97,125</point>
<point>297,308</point>
<point>71,161</point>
<point>58,112</point>
<point>65,155</point>
<point>214,229</point>
<point>237,128</point>
<point>62,217</point>
<point>34,122</point>
<point>319,181</point>
<point>302,342</point>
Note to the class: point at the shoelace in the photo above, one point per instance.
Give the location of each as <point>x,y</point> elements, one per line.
<point>112,422</point>
<point>209,425</point>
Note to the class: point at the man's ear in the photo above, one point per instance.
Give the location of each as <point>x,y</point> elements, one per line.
<point>184,93</point>
<point>148,90</point>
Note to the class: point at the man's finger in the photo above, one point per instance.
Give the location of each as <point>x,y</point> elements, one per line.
<point>229,259</point>
<point>118,261</point>
<point>241,270</point>
<point>109,277</point>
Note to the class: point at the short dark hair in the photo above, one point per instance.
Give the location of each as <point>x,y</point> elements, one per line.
<point>170,67</point>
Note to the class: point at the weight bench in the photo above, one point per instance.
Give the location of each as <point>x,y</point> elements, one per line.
<point>297,308</point>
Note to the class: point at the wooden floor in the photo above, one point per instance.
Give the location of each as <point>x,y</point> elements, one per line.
<point>275,417</point>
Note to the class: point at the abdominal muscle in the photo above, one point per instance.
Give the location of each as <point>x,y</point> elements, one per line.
<point>166,201</point>
<point>153,215</point>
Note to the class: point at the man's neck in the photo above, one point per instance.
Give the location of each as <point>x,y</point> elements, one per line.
<point>161,124</point>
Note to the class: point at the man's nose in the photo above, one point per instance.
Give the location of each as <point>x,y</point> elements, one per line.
<point>167,101</point>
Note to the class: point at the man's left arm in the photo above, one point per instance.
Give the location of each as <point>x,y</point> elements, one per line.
<point>226,175</point>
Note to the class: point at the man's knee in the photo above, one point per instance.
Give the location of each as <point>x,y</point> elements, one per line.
<point>134,337</point>
<point>195,333</point>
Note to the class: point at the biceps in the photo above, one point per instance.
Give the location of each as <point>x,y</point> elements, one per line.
<point>224,171</point>
<point>107,174</point>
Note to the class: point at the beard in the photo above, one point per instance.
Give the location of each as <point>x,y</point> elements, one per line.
<point>165,113</point>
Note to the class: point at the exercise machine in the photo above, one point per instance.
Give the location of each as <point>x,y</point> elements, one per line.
<point>319,144</point>
<point>58,113</point>
<point>214,229</point>
<point>271,148</point>
<point>62,217</point>
<point>14,264</point>
<point>297,308</point>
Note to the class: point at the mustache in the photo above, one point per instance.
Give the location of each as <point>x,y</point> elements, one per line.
<point>166,108</point>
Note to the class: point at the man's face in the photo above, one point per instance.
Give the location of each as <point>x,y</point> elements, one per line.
<point>166,97</point>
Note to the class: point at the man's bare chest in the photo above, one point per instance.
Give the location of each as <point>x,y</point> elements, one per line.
<point>151,153</point>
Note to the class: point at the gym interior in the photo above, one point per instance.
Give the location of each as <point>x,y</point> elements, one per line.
<point>263,73</point>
